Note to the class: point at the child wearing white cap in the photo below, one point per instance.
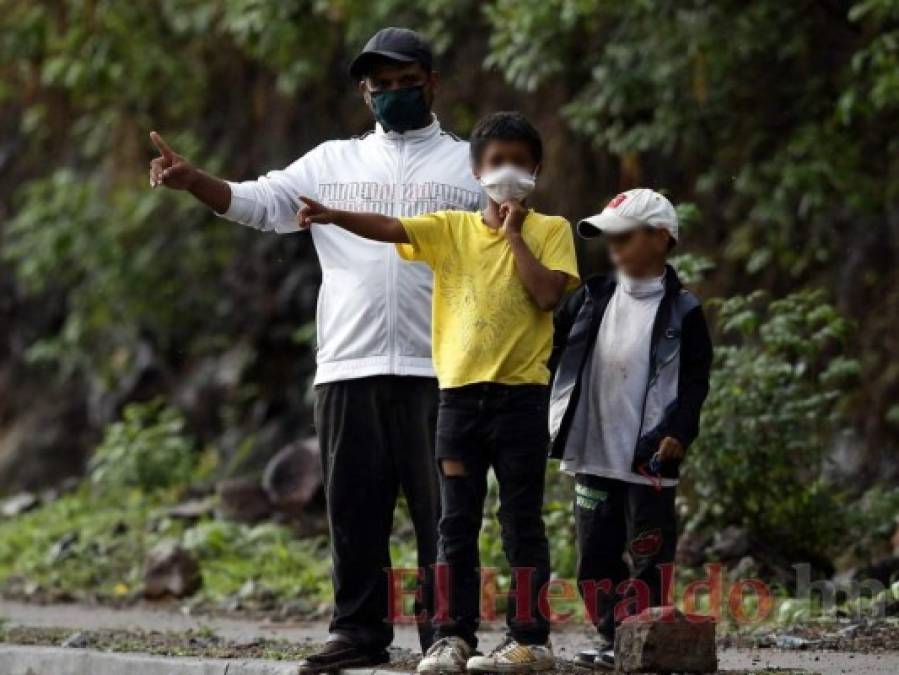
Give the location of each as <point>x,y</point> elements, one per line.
<point>632,356</point>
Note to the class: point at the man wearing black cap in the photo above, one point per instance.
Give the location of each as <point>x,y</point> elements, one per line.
<point>376,396</point>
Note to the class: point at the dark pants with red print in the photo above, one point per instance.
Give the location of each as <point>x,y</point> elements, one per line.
<point>614,517</point>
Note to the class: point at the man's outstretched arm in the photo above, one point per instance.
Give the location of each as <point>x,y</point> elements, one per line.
<point>174,171</point>
<point>369,225</point>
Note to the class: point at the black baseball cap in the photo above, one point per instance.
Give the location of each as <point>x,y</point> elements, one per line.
<point>396,44</point>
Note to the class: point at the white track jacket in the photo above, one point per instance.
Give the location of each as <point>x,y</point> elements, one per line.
<point>374,310</point>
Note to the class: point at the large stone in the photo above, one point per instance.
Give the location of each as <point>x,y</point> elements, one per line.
<point>663,640</point>
<point>242,500</point>
<point>293,477</point>
<point>18,504</point>
<point>192,509</point>
<point>170,571</point>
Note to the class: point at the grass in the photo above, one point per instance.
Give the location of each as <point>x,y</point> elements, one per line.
<point>91,546</point>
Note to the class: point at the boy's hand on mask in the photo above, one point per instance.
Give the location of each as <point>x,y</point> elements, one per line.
<point>513,214</point>
<point>671,450</point>
<point>313,212</point>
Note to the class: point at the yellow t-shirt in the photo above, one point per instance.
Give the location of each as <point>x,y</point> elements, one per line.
<point>485,327</point>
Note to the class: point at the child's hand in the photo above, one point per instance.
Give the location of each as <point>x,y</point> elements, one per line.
<point>513,214</point>
<point>670,449</point>
<point>313,212</point>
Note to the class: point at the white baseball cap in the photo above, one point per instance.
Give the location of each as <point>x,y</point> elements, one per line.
<point>640,207</point>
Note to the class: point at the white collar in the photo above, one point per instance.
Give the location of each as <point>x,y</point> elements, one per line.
<point>413,135</point>
<point>641,288</point>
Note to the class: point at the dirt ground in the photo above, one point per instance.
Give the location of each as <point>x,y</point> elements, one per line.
<point>167,629</point>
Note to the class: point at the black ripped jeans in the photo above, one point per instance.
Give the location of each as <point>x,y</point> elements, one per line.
<point>503,427</point>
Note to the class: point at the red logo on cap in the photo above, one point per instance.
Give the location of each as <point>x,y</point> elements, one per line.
<point>617,201</point>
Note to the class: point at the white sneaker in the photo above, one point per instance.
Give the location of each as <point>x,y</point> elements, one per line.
<point>447,655</point>
<point>512,656</point>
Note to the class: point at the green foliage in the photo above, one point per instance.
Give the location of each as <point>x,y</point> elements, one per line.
<point>268,555</point>
<point>776,118</point>
<point>147,449</point>
<point>873,519</point>
<point>86,545</point>
<point>782,114</point>
<point>92,545</point>
<point>774,408</point>
<point>691,268</point>
<point>124,271</point>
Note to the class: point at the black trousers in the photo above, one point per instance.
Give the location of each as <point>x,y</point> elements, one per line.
<point>377,438</point>
<point>503,427</point>
<point>614,517</point>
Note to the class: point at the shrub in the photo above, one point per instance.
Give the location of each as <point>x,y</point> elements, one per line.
<point>777,386</point>
<point>147,449</point>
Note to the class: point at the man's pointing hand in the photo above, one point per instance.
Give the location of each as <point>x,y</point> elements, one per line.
<point>170,169</point>
<point>313,212</point>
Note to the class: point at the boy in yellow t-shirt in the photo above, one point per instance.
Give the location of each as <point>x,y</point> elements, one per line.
<point>498,274</point>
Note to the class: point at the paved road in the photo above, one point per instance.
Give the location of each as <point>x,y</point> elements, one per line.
<point>168,617</point>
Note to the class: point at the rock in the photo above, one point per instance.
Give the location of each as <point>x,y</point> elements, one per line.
<point>293,477</point>
<point>193,509</point>
<point>729,544</point>
<point>295,608</point>
<point>691,547</point>
<point>242,500</point>
<point>18,504</point>
<point>256,595</point>
<point>662,639</point>
<point>794,642</point>
<point>848,632</point>
<point>764,641</point>
<point>170,571</point>
<point>76,641</point>
<point>49,495</point>
<point>230,604</point>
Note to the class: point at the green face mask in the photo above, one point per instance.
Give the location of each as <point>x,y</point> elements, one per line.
<point>400,109</point>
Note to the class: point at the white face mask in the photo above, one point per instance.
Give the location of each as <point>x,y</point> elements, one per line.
<point>508,183</point>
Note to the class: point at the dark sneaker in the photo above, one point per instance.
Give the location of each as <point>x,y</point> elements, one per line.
<point>601,657</point>
<point>338,654</point>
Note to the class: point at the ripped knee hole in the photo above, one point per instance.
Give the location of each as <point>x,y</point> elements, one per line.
<point>452,467</point>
